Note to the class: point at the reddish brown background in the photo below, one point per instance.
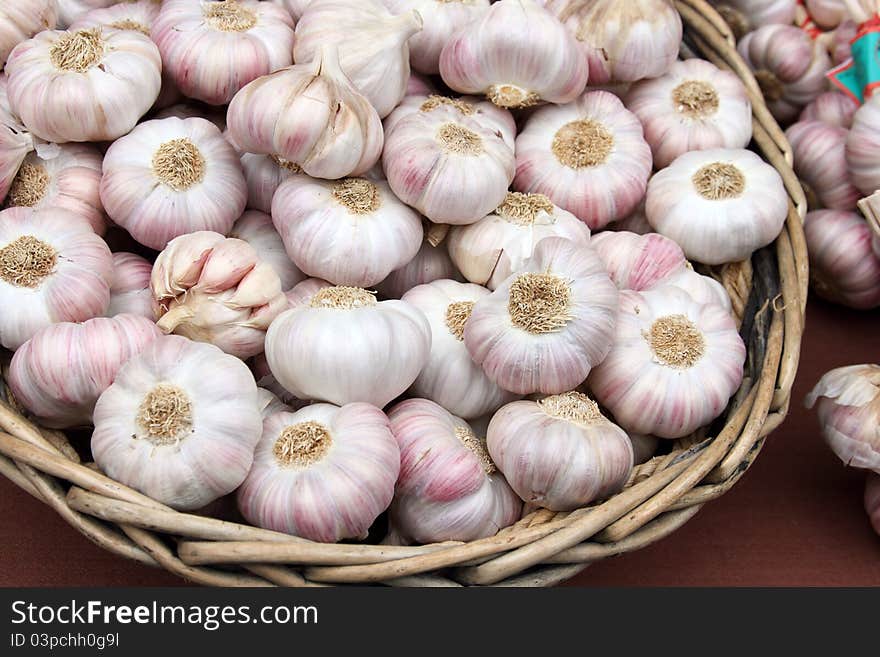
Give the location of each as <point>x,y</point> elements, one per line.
<point>796,517</point>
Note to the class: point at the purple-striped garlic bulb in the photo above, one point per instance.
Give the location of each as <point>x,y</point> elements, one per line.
<point>827,14</point>
<point>214,289</point>
<point>15,141</point>
<point>431,263</point>
<point>820,162</point>
<point>264,174</point>
<point>324,473</point>
<point>548,325</point>
<point>841,42</point>
<point>833,108</point>
<point>256,228</point>
<point>872,500</point>
<point>130,287</point>
<point>847,401</point>
<point>589,157</point>
<point>560,452</point>
<point>61,371</point>
<point>673,366</point>
<point>20,21</point>
<point>744,16</point>
<point>53,268</point>
<point>448,488</point>
<point>170,177</point>
<point>863,147</point>
<point>180,423</point>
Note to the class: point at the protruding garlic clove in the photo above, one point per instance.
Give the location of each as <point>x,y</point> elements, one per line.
<point>264,174</point>
<point>744,16</point>
<point>256,229</point>
<point>130,287</point>
<point>863,147</point>
<point>431,263</point>
<point>20,21</point>
<point>820,163</point>
<point>833,108</point>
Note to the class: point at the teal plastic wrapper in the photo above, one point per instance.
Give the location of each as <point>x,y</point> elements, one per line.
<point>859,77</point>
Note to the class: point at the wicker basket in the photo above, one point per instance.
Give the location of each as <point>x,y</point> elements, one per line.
<point>543,548</point>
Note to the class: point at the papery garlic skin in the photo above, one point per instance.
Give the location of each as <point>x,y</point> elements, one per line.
<point>495,247</point>
<point>213,49</point>
<point>560,453</point>
<point>718,205</point>
<point>448,488</point>
<point>833,108</point>
<point>863,147</point>
<point>180,423</point>
<point>517,54</point>
<point>70,180</point>
<point>843,267</point>
<point>450,167</point>
<point>349,232</point>
<point>373,49</point>
<point>872,500</point>
<point>256,229</point>
<point>15,141</point>
<point>170,177</point>
<point>743,16</point>
<point>450,378</point>
<point>431,263</point>
<point>589,157</point>
<point>310,115</point>
<point>53,268</point>
<point>547,326</point>
<point>264,174</point>
<point>789,67</point>
<point>130,287</point>
<point>694,106</point>
<point>674,365</point>
<point>324,473</point>
<point>61,371</point>
<point>847,401</point>
<point>441,20</point>
<point>213,289</point>
<point>88,85</point>
<point>820,163</point>
<point>20,21</point>
<point>344,347</point>
<point>827,14</point>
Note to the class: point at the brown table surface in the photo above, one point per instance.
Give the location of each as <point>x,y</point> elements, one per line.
<point>796,517</point>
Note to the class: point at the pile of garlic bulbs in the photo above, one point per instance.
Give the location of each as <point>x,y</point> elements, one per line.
<point>345,290</point>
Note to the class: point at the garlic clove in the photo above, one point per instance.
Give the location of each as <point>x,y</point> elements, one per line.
<point>256,229</point>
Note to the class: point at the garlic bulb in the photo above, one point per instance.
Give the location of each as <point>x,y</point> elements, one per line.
<point>863,147</point>
<point>70,180</point>
<point>636,222</point>
<point>448,488</point>
<point>789,67</point>
<point>130,287</point>
<point>180,423</point>
<point>451,168</point>
<point>310,115</point>
<point>135,15</point>
<point>344,347</point>
<point>644,447</point>
<point>495,247</point>
<point>872,500</point>
<point>349,232</point>
<point>61,371</point>
<point>15,141</point>
<point>702,289</point>
<point>841,43</point>
<point>560,453</point>
<point>843,267</point>
<point>450,378</point>
<point>195,110</point>
<point>674,364</point>
<point>847,401</point>
<point>53,268</point>
<point>301,293</point>
<point>623,41</point>
<point>827,14</point>
<point>264,174</point>
<point>431,263</point>
<point>256,229</point>
<point>324,473</point>
<point>70,11</point>
<point>718,205</point>
<point>295,8</point>
<point>820,163</point>
<point>213,49</point>
<point>419,85</point>
<point>213,289</point>
<point>743,16</point>
<point>517,54</point>
<point>545,327</point>
<point>22,20</point>
<point>88,85</point>
<point>694,106</point>
<point>270,403</point>
<point>442,19</point>
<point>169,177</point>
<point>833,108</point>
<point>590,157</point>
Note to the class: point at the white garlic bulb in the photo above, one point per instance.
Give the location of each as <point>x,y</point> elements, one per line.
<point>451,168</point>
<point>88,85</point>
<point>295,8</point>
<point>831,107</point>
<point>53,268</point>
<point>517,54</point>
<point>130,287</point>
<point>743,16</point>
<point>450,378</point>
<point>495,247</point>
<point>180,423</point>
<point>674,365</point>
<point>372,42</point>
<point>560,453</point>
<point>694,106</point>
<point>847,401</point>
<point>718,205</point>
<point>135,15</point>
<point>169,177</point>
<point>310,115</point>
<point>548,325</point>
<point>344,346</point>
<point>589,157</point>
<point>441,20</point>
<point>15,141</point>
<point>70,11</point>
<point>820,162</point>
<point>301,293</point>
<point>263,175</point>
<point>827,14</point>
<point>349,232</point>
<point>20,21</point>
<point>448,488</point>
<point>431,263</point>
<point>256,229</point>
<point>61,371</point>
<point>324,473</point>
<point>863,147</point>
